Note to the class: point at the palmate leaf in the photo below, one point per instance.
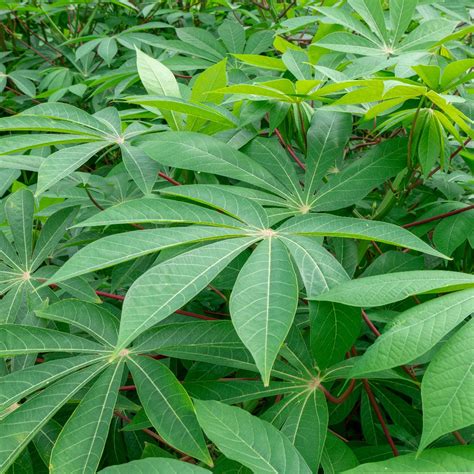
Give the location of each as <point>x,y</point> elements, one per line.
<point>244,438</point>
<point>19,427</point>
<point>453,459</point>
<point>380,290</point>
<point>81,442</point>
<point>264,301</point>
<point>155,466</point>
<point>115,249</point>
<point>448,386</point>
<point>21,383</point>
<point>416,331</point>
<point>349,227</point>
<point>168,407</point>
<point>168,286</point>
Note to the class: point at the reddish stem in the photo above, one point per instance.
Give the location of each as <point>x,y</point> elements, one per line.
<point>290,149</point>
<point>438,217</point>
<point>128,388</point>
<point>169,179</point>
<point>379,415</point>
<point>342,398</point>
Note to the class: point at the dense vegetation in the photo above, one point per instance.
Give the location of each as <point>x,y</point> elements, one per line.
<point>236,236</point>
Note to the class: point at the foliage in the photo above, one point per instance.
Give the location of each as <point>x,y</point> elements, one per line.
<point>236,236</point>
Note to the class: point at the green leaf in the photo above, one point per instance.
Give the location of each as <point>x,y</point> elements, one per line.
<point>355,181</point>
<point>238,391</point>
<point>100,323</point>
<point>16,339</point>
<point>306,426</point>
<point>19,209</point>
<point>114,249</point>
<point>453,459</point>
<point>401,14</point>
<point>232,35</point>
<point>372,13</point>
<point>327,137</point>
<point>223,200</point>
<point>244,438</point>
<point>334,328</point>
<point>159,80</point>
<point>426,34</point>
<point>140,167</point>
<point>263,303</point>
<point>349,227</point>
<point>107,49</point>
<point>21,383</point>
<point>202,39</point>
<point>168,286</point>
<point>319,270</point>
<point>263,62</point>
<point>155,466</point>
<point>51,234</point>
<point>415,331</point>
<point>337,456</point>
<point>213,78</point>
<point>168,407</point>
<point>204,112</point>
<point>379,290</point>
<point>450,233</point>
<point>21,425</point>
<point>158,211</point>
<point>81,442</point>
<point>447,387</point>
<point>350,43</point>
<point>198,152</point>
<point>63,162</point>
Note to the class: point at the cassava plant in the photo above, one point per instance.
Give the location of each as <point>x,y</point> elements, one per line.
<point>236,237</point>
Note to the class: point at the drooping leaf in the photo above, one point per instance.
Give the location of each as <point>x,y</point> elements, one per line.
<point>263,303</point>
<point>82,439</point>
<point>447,387</point>
<point>457,459</point>
<point>244,438</point>
<point>380,290</point>
<point>168,407</point>
<point>416,331</point>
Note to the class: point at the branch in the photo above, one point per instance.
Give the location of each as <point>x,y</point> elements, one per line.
<point>438,217</point>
